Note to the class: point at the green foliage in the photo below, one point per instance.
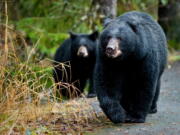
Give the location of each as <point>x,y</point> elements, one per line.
<point>164,2</point>
<point>42,29</point>
<point>174,44</point>
<point>49,21</point>
<point>149,6</point>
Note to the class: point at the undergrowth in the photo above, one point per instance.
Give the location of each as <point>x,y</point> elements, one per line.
<point>28,102</point>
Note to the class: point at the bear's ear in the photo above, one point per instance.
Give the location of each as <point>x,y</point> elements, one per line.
<point>93,36</point>
<point>106,21</point>
<point>133,26</point>
<point>72,34</point>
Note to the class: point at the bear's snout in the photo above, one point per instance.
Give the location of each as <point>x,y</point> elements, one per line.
<point>82,52</point>
<point>112,49</point>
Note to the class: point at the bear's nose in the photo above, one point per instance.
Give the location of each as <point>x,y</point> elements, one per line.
<point>82,52</point>
<point>110,50</point>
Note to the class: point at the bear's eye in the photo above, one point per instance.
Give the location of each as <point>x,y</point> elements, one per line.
<point>108,38</point>
<point>119,38</point>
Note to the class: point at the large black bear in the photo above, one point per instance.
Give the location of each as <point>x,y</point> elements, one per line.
<point>131,58</point>
<point>78,53</point>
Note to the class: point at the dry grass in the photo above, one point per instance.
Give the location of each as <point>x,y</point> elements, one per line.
<point>28,103</point>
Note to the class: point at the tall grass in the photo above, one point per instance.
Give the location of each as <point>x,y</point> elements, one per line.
<point>28,101</point>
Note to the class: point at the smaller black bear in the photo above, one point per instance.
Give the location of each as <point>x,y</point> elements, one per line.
<point>131,58</point>
<point>79,51</point>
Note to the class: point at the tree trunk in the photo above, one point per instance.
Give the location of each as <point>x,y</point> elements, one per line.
<point>106,8</point>
<point>99,10</point>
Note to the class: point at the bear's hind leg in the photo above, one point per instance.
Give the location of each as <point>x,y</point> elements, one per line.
<point>143,98</point>
<point>153,108</point>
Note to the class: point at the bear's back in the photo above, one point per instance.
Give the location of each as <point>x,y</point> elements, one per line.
<point>63,53</point>
<point>150,32</point>
<point>137,18</point>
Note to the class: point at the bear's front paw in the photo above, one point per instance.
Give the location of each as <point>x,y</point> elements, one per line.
<point>117,119</point>
<point>130,119</point>
<point>153,110</point>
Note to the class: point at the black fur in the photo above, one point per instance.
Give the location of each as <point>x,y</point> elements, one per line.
<point>81,69</point>
<point>128,86</point>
